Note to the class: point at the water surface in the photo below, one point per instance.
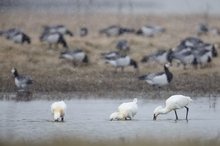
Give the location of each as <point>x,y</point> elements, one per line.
<point>89,118</point>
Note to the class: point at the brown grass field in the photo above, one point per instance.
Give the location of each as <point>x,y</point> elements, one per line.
<point>50,74</point>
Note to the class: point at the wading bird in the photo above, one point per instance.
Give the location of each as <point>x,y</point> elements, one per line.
<point>173,103</point>
<point>58,110</point>
<point>126,111</point>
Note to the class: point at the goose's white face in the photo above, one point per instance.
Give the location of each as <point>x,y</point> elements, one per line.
<point>13,70</point>
<point>173,49</point>
<point>167,65</point>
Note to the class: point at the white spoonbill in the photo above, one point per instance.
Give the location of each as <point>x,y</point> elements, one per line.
<point>173,103</point>
<point>125,111</point>
<point>58,110</point>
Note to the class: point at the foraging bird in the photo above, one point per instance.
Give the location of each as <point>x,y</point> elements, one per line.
<point>161,57</point>
<point>184,57</point>
<point>203,57</point>
<point>122,45</point>
<point>16,35</point>
<point>210,47</point>
<point>53,38</point>
<point>83,31</point>
<point>57,29</point>
<point>158,79</point>
<point>115,30</point>
<point>58,110</point>
<point>215,31</point>
<point>173,103</point>
<point>150,31</point>
<point>122,62</point>
<point>76,56</point>
<point>117,116</point>
<point>111,55</point>
<point>21,81</point>
<point>189,42</point>
<point>202,28</point>
<point>9,33</point>
<point>20,38</point>
<point>126,111</point>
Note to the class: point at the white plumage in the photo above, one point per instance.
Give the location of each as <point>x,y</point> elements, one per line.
<point>76,56</point>
<point>117,116</point>
<point>52,38</point>
<point>157,80</point>
<point>58,110</point>
<point>55,38</point>
<point>57,29</point>
<point>125,111</point>
<point>122,61</point>
<point>204,56</point>
<point>173,103</point>
<point>161,59</point>
<point>17,38</point>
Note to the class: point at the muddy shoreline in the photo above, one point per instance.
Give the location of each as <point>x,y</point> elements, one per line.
<point>126,86</point>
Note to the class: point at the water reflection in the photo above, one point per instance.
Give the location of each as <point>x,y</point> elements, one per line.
<point>23,96</point>
<point>212,102</point>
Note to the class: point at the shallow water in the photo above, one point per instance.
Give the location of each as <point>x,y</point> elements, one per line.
<point>89,118</point>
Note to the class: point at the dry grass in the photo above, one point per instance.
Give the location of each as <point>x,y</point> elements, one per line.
<point>52,74</point>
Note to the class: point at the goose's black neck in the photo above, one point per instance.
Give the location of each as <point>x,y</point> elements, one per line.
<point>134,63</point>
<point>15,73</point>
<point>86,59</point>
<point>168,74</point>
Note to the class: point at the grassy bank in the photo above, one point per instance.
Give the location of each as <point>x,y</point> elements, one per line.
<point>52,74</point>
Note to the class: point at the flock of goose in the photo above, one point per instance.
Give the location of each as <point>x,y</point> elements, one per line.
<point>127,111</point>
<point>55,35</point>
<point>190,51</point>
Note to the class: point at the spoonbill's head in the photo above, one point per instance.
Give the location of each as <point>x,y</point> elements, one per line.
<point>157,112</point>
<point>135,100</point>
<point>56,116</point>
